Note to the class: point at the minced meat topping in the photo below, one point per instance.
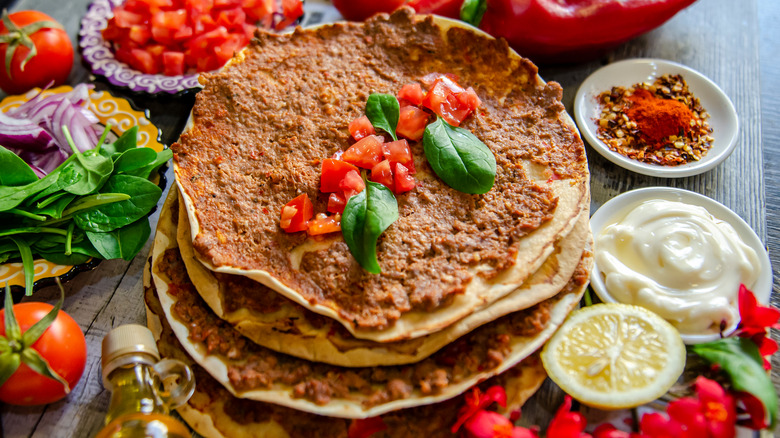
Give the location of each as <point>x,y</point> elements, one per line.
<point>262,127</point>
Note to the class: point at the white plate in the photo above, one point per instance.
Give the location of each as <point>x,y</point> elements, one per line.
<point>723,116</point>
<point>620,205</point>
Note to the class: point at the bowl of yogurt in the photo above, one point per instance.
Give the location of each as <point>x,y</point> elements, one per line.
<point>681,255</point>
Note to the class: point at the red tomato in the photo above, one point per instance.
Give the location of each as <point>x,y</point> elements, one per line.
<point>366,153</point>
<point>352,184</point>
<point>442,99</point>
<point>411,93</point>
<point>336,203</point>
<point>382,174</point>
<point>62,345</point>
<point>52,62</point>
<point>359,10</point>
<point>323,224</point>
<point>173,63</point>
<point>333,171</point>
<point>399,152</point>
<point>296,214</point>
<point>412,122</point>
<point>446,8</point>
<point>361,127</point>
<point>403,181</point>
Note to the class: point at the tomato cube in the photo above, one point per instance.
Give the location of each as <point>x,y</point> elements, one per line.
<point>173,63</point>
<point>232,19</point>
<point>382,174</point>
<point>411,93</point>
<point>221,4</point>
<point>295,215</point>
<point>143,61</point>
<point>166,23</point>
<point>183,34</point>
<point>361,127</point>
<point>256,10</point>
<point>366,153</point>
<point>323,224</point>
<point>399,152</point>
<point>412,122</point>
<point>352,184</point>
<point>124,18</point>
<point>442,100</point>
<point>333,171</point>
<point>336,203</point>
<point>403,180</point>
<point>139,35</point>
<point>199,5</point>
<point>469,99</point>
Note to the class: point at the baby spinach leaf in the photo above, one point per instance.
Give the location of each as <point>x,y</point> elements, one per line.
<point>60,258</point>
<point>11,196</point>
<point>134,159</point>
<point>366,216</point>
<point>95,170</point>
<point>28,265</point>
<point>143,197</point>
<point>459,158</point>
<point>472,11</point>
<point>127,141</point>
<point>54,205</point>
<point>68,176</point>
<point>162,157</point>
<point>383,111</point>
<point>741,360</point>
<point>15,171</point>
<point>123,242</point>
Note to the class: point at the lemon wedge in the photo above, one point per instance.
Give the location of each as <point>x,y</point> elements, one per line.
<point>614,356</point>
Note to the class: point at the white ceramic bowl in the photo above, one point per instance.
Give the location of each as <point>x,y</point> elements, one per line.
<point>723,116</point>
<point>619,206</point>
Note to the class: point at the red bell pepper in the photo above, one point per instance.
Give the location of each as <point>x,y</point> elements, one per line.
<point>566,30</point>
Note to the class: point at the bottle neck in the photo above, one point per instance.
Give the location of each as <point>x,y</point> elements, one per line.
<point>134,389</point>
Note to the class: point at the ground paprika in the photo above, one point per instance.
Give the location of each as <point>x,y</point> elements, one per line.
<point>657,119</point>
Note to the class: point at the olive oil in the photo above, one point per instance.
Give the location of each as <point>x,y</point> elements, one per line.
<point>141,392</point>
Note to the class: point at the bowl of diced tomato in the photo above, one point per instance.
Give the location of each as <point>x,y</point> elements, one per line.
<point>162,45</point>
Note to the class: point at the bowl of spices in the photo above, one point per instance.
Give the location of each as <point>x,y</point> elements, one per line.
<point>656,117</point>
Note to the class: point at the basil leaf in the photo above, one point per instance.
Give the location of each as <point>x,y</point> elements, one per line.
<point>123,242</point>
<point>132,160</point>
<point>108,217</point>
<point>383,111</point>
<point>472,11</point>
<point>95,170</point>
<point>15,171</point>
<point>741,360</point>
<point>459,158</point>
<point>365,217</point>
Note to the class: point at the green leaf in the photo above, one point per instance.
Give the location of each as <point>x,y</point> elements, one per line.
<point>123,242</point>
<point>9,363</point>
<point>12,330</point>
<point>366,216</point>
<point>459,158</point>
<point>94,168</point>
<point>472,11</point>
<point>741,360</point>
<point>37,363</point>
<point>143,198</point>
<point>383,111</point>
<point>11,196</point>
<point>67,176</point>
<point>54,205</point>
<point>162,157</point>
<point>75,258</point>
<point>28,264</point>
<point>127,141</point>
<point>15,171</point>
<point>134,159</point>
<point>36,330</point>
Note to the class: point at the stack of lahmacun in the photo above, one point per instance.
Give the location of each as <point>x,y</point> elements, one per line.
<point>287,333</point>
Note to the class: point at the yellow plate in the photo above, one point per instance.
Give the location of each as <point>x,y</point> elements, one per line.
<point>108,109</point>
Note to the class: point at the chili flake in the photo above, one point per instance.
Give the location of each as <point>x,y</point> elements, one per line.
<point>659,123</point>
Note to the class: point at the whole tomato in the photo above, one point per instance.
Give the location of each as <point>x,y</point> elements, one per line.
<point>62,345</point>
<point>53,52</point>
<point>359,10</point>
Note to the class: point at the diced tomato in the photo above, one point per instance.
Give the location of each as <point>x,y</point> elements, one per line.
<point>323,224</point>
<point>333,171</point>
<point>202,23</point>
<point>296,214</point>
<point>399,152</point>
<point>139,34</point>
<point>124,18</point>
<point>258,9</point>
<point>402,179</point>
<point>352,184</point>
<point>412,93</point>
<point>292,10</point>
<point>173,63</point>
<point>223,4</point>
<point>336,203</point>
<point>143,61</point>
<point>166,23</point>
<point>199,5</point>
<point>412,122</point>
<point>366,153</point>
<point>382,174</point>
<point>442,99</point>
<point>233,18</point>
<point>361,127</point>
<point>429,79</point>
<point>234,43</point>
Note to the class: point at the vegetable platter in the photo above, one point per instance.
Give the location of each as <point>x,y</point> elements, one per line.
<point>110,111</point>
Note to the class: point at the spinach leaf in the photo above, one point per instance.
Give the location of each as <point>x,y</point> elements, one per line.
<point>11,196</point>
<point>741,360</point>
<point>62,259</point>
<point>143,197</point>
<point>68,176</point>
<point>127,141</point>
<point>472,11</point>
<point>15,171</point>
<point>134,159</point>
<point>162,158</point>
<point>383,111</point>
<point>365,217</point>
<point>459,158</point>
<point>54,205</point>
<point>123,242</point>
<point>95,170</point>
<point>27,262</point>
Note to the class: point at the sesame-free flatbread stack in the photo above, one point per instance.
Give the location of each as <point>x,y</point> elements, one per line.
<point>471,285</point>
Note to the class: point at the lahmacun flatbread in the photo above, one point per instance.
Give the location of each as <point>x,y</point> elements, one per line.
<point>261,127</point>
<point>254,372</point>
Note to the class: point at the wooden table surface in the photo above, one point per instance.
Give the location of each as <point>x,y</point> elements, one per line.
<point>735,44</point>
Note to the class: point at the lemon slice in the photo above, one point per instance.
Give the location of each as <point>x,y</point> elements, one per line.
<point>614,356</point>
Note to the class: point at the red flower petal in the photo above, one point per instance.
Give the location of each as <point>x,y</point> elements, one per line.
<point>487,424</point>
<point>566,424</point>
<point>607,430</point>
<point>658,425</point>
<point>476,401</point>
<point>754,317</point>
<point>755,409</point>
